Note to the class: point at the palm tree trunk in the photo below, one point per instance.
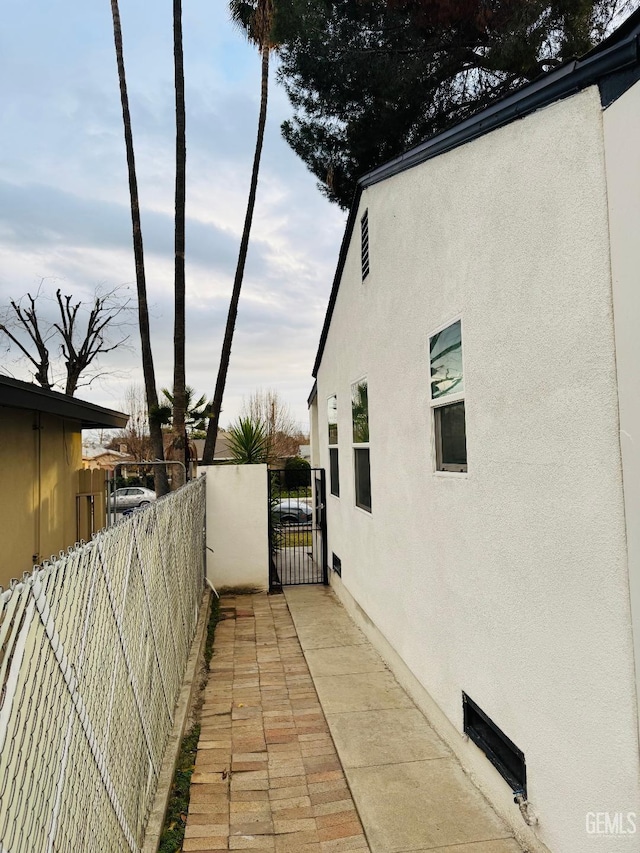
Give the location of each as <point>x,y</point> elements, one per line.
<point>179,370</point>
<point>212,430</point>
<point>155,430</point>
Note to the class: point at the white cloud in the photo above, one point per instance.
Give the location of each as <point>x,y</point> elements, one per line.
<point>64,207</point>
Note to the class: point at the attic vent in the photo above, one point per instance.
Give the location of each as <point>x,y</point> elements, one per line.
<point>501,752</point>
<point>364,243</point>
<point>337,564</point>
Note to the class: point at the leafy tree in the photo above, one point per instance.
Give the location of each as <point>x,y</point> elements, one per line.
<point>136,433</point>
<point>80,331</point>
<point>297,473</point>
<point>155,427</point>
<point>370,78</point>
<point>284,435</point>
<point>256,18</point>
<point>248,442</point>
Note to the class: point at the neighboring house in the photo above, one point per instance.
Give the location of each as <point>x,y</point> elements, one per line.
<point>104,458</point>
<point>47,502</point>
<point>222,452</point>
<point>477,409</point>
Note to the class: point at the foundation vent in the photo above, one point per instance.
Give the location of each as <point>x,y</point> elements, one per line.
<point>499,749</point>
<point>337,564</point>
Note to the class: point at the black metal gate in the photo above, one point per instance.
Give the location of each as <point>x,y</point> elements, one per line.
<point>297,527</point>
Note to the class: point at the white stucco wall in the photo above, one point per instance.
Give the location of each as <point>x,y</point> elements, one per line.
<point>237,526</point>
<point>313,424</point>
<point>622,144</point>
<point>509,583</point>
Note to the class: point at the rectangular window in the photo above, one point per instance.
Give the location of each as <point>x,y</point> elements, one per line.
<point>447,398</point>
<point>332,421</point>
<point>361,459</point>
<point>334,471</point>
<point>364,243</point>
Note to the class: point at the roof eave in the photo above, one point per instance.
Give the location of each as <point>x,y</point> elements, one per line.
<point>621,51</point>
<point>21,395</point>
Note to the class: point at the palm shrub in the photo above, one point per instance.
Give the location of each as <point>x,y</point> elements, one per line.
<point>248,442</point>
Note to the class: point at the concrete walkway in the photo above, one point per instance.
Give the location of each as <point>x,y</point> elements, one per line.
<point>286,791</point>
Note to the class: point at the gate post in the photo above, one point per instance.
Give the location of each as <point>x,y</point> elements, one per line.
<point>323,527</point>
<point>275,584</point>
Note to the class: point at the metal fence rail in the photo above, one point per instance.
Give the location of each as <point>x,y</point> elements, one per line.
<point>93,649</point>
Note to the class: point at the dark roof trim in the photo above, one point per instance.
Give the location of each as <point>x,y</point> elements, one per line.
<point>561,83</point>
<point>613,65</point>
<point>24,395</point>
<point>312,396</point>
<point>344,248</point>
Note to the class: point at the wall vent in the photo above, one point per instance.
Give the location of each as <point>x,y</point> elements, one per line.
<point>364,243</point>
<point>501,752</point>
<point>337,564</point>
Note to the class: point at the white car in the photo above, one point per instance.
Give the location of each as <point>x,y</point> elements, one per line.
<point>131,497</point>
<point>292,511</point>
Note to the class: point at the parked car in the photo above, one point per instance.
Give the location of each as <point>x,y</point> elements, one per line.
<point>132,497</point>
<point>292,511</point>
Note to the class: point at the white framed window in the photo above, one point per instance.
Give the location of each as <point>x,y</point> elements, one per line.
<point>447,398</point>
<point>332,424</point>
<point>360,430</point>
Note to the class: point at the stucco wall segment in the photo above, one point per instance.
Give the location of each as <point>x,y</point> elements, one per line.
<point>622,142</point>
<point>509,583</point>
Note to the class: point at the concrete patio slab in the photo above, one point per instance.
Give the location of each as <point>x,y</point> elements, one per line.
<point>329,635</point>
<point>421,805</point>
<point>370,738</point>
<point>367,691</point>
<point>343,660</point>
<point>503,845</point>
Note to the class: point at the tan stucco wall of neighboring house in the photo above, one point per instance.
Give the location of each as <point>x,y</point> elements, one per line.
<point>41,456</point>
<point>106,461</point>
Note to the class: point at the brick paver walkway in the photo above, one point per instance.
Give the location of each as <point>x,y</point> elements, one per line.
<point>267,776</point>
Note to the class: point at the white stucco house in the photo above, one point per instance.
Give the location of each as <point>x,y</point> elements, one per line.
<point>477,409</point>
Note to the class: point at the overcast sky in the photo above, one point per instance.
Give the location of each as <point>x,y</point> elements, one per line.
<point>64,202</point>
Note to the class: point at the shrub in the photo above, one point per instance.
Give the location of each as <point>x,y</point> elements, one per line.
<point>297,472</point>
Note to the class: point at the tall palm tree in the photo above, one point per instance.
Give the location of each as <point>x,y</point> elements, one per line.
<point>155,429</point>
<point>256,18</point>
<point>196,412</point>
<point>179,371</point>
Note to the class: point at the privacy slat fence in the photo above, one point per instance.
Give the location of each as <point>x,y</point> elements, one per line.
<point>93,649</point>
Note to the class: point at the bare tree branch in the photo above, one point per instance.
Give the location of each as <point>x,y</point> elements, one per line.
<point>80,343</point>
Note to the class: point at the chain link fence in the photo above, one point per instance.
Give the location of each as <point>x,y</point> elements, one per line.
<point>93,649</point>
